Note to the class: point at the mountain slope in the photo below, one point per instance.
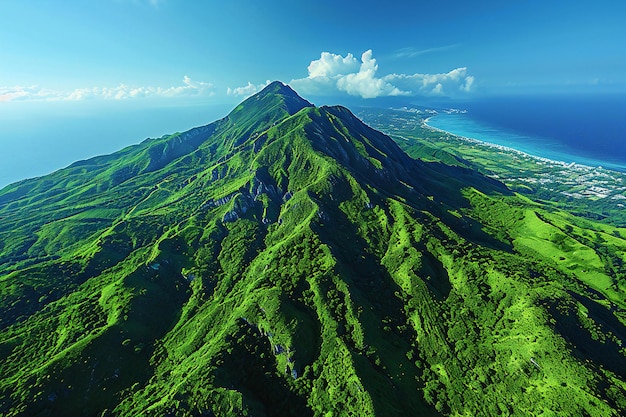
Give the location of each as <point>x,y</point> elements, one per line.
<point>290,260</point>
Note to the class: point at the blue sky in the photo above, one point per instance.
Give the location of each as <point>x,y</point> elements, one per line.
<point>181,50</point>
<point>82,78</point>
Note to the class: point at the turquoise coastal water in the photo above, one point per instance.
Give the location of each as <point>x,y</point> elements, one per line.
<point>585,130</point>
<point>463,125</point>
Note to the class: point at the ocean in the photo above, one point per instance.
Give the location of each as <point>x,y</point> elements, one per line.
<point>586,129</point>
<point>39,138</point>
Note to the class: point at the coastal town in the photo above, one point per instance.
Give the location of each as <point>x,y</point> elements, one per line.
<point>570,180</point>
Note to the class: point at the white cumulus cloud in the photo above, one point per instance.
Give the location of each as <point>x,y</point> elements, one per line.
<point>246,90</point>
<point>333,73</point>
<point>452,82</point>
<point>438,89</point>
<point>365,83</point>
<point>467,86</point>
<point>330,65</point>
<point>24,93</point>
<point>188,88</point>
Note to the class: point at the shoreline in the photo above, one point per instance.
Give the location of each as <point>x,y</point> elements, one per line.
<point>603,165</point>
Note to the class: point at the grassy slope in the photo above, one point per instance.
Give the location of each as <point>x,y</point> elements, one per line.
<point>298,263</point>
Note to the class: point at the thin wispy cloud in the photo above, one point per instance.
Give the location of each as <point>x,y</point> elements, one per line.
<point>188,88</point>
<point>414,52</point>
<point>333,73</point>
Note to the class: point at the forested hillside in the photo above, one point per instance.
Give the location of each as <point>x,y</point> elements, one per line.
<point>290,260</point>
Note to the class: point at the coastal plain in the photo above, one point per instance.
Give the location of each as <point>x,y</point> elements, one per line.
<point>587,190</point>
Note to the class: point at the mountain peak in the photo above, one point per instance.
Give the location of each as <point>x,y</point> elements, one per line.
<point>277,94</point>
<point>278,87</point>
<point>275,102</point>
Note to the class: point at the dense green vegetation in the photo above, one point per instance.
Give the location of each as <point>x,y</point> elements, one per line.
<point>290,260</point>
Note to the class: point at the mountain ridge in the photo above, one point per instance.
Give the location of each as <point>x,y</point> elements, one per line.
<point>290,260</point>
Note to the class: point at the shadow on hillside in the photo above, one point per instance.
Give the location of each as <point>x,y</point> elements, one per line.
<point>384,321</point>
<point>439,189</point>
<point>606,353</point>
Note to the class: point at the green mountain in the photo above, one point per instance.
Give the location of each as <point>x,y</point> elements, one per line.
<point>290,260</point>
